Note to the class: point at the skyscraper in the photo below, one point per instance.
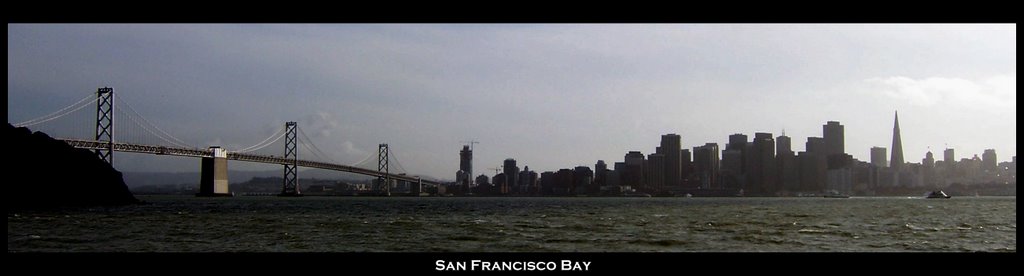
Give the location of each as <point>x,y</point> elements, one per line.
<point>949,160</point>
<point>834,141</point>
<point>897,146</point>
<point>670,147</point>
<point>783,144</point>
<point>878,157</point>
<point>465,174</point>
<point>634,174</point>
<point>813,168</point>
<point>511,174</point>
<point>466,160</point>
<point>988,160</point>
<point>686,164</point>
<point>929,160</point>
<point>656,168</point>
<point>785,161</point>
<point>761,173</point>
<point>705,161</point>
<point>600,173</point>
<point>815,145</point>
<point>928,169</point>
<point>738,143</point>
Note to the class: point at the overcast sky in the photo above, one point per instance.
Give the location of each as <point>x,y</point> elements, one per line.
<point>550,96</point>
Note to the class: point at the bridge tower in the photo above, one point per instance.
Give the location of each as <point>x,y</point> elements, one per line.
<point>384,179</point>
<point>291,186</point>
<point>105,123</point>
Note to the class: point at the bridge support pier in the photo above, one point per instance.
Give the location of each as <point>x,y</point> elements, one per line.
<point>417,187</point>
<point>214,174</point>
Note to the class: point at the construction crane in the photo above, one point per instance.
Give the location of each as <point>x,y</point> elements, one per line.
<point>470,142</point>
<point>497,169</point>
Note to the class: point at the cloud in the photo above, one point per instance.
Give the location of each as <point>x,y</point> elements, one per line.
<point>995,91</point>
<point>351,149</point>
<point>320,124</point>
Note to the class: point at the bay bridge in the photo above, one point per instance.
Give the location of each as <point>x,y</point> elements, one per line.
<point>141,136</point>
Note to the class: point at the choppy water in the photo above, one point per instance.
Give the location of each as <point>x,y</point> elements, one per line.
<point>359,224</point>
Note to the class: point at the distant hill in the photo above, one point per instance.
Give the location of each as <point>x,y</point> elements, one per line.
<point>51,173</point>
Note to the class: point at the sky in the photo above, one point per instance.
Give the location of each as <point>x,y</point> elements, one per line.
<point>550,96</point>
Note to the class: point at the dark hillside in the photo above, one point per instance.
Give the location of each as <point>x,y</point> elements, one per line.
<point>43,172</point>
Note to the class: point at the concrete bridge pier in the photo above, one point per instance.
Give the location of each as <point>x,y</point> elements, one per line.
<point>214,174</point>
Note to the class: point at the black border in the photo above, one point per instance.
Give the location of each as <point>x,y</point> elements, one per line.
<point>516,12</point>
<point>601,263</point>
<point>663,263</point>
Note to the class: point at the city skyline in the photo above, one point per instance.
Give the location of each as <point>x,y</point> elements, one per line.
<point>548,96</point>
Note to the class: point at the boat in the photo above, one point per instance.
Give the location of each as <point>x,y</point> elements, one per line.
<point>938,194</point>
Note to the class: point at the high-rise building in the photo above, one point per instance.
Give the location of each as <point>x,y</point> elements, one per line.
<point>833,135</point>
<point>732,162</point>
<point>670,147</point>
<point>500,186</point>
<point>656,172</point>
<point>564,182</point>
<point>616,179</point>
<point>511,174</point>
<point>929,160</point>
<point>600,173</point>
<point>466,160</point>
<point>761,174</point>
<point>686,168</point>
<point>582,177</point>
<point>928,169</point>
<point>527,181</point>
<point>949,161</point>
<point>547,183</point>
<point>737,142</point>
<point>878,157</point>
<point>634,174</point>
<point>815,145</point>
<point>785,162</point>
<point>812,171</point>
<point>988,160</point>
<point>783,144</point>
<point>706,166</point>
<point>897,146</point>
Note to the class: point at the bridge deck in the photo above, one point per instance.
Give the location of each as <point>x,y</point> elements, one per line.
<point>256,158</point>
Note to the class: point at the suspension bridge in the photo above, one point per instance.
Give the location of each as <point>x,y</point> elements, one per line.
<point>74,126</point>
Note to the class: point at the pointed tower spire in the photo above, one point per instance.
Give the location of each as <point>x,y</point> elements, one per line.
<point>896,160</point>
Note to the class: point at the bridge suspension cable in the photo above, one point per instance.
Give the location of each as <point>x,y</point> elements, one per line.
<point>166,137</point>
<point>60,113</point>
<point>391,153</point>
<point>315,149</point>
<point>360,163</point>
<point>262,144</point>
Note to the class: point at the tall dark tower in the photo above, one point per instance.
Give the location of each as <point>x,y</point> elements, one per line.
<point>896,161</point>
<point>988,160</point>
<point>511,174</point>
<point>833,134</point>
<point>466,160</point>
<point>671,146</point>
